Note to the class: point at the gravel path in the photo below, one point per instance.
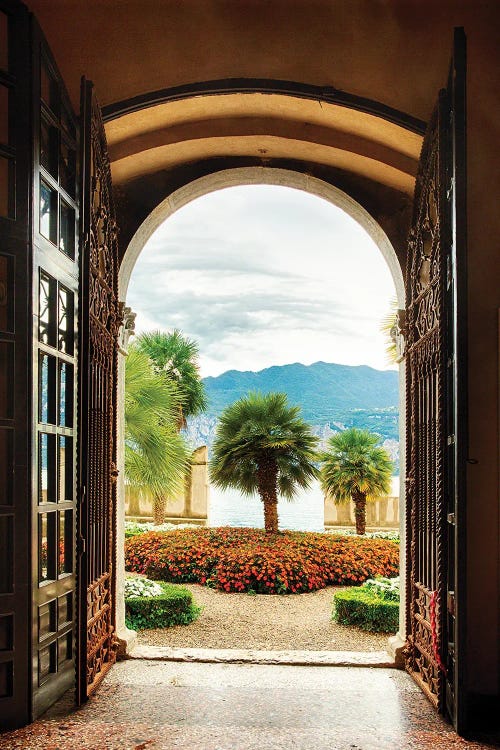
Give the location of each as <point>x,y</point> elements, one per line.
<point>301,621</point>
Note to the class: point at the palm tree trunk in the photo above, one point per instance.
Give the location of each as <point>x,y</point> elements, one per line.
<point>134,505</point>
<point>359,500</point>
<point>271,516</point>
<point>267,477</point>
<point>159,509</point>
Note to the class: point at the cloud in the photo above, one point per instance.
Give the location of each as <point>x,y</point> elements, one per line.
<point>264,275</point>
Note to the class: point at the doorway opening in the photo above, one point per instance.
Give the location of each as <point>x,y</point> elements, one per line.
<point>198,290</point>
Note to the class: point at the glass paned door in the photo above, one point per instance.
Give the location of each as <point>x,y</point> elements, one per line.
<point>54,431</point>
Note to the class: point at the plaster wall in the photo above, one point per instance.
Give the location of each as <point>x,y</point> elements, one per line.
<point>395,52</point>
<point>483,137</point>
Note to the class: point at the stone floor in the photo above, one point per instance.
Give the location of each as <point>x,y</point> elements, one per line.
<point>155,705</point>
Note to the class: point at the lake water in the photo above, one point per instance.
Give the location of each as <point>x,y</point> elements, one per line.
<point>230,508</point>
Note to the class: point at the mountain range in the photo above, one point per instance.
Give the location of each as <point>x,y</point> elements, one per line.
<point>332,397</point>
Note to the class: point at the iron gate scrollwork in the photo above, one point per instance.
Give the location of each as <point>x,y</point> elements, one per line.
<point>426,406</point>
<point>99,323</point>
<point>436,404</point>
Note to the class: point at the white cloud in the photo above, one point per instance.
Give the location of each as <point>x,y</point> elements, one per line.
<point>265,275</point>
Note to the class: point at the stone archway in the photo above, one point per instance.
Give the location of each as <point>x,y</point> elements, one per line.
<point>176,200</point>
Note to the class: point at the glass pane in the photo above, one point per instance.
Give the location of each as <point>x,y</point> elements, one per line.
<point>66,320</point>
<point>65,542</point>
<point>48,212</point>
<point>46,620</point>
<point>47,468</point>
<point>4,114</point>
<point>6,632</point>
<point>65,469</point>
<point>48,88</point>
<point>47,547</point>
<point>6,182</point>
<point>6,554</point>
<point>6,293</point>
<point>6,380</point>
<point>6,465</point>
<point>46,662</point>
<point>64,649</point>
<point>4,42</point>
<point>65,394</point>
<point>48,148</point>
<point>67,121</point>
<point>6,679</point>
<point>47,389</point>
<point>47,310</point>
<point>67,232</point>
<point>67,169</point>
<point>65,610</point>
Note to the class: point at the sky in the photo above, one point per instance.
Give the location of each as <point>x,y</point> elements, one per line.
<point>262,276</point>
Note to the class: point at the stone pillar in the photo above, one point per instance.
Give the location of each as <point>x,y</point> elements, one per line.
<point>371,513</point>
<point>126,637</point>
<point>197,503</point>
<point>397,642</point>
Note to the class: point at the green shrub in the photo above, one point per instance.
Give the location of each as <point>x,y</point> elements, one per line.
<point>174,606</point>
<point>133,528</point>
<point>385,588</point>
<point>366,609</point>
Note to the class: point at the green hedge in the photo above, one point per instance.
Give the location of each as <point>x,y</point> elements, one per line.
<point>174,607</point>
<point>366,610</point>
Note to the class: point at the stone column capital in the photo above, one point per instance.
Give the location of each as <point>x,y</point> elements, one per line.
<point>127,330</point>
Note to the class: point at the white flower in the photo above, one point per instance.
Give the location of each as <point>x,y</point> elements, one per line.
<point>136,586</point>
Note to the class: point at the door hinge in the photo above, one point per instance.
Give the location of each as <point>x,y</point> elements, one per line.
<point>451,602</point>
<point>451,440</point>
<point>451,518</point>
<point>451,189</point>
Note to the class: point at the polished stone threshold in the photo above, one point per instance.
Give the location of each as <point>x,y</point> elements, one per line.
<point>289,657</point>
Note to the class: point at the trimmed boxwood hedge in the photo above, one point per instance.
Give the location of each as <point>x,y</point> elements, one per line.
<point>366,610</point>
<point>174,607</point>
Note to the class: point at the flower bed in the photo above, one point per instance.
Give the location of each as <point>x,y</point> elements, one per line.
<point>157,605</point>
<point>239,559</point>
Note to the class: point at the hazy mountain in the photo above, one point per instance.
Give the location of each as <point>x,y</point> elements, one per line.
<point>323,390</point>
<point>333,397</point>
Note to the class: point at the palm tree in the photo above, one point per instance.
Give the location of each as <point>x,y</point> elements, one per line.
<point>262,445</point>
<point>356,467</point>
<point>156,456</point>
<point>176,357</point>
<point>388,326</point>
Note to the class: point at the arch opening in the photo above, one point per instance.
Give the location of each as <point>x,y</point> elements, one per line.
<point>278,177</point>
<point>259,176</point>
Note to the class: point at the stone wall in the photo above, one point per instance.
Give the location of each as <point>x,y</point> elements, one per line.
<point>191,505</point>
<point>382,513</point>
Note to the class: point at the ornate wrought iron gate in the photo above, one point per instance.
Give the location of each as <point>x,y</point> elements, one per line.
<point>436,364</point>
<point>99,321</point>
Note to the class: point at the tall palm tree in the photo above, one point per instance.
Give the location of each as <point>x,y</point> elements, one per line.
<point>176,357</point>
<point>356,467</point>
<point>156,456</point>
<point>263,446</point>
